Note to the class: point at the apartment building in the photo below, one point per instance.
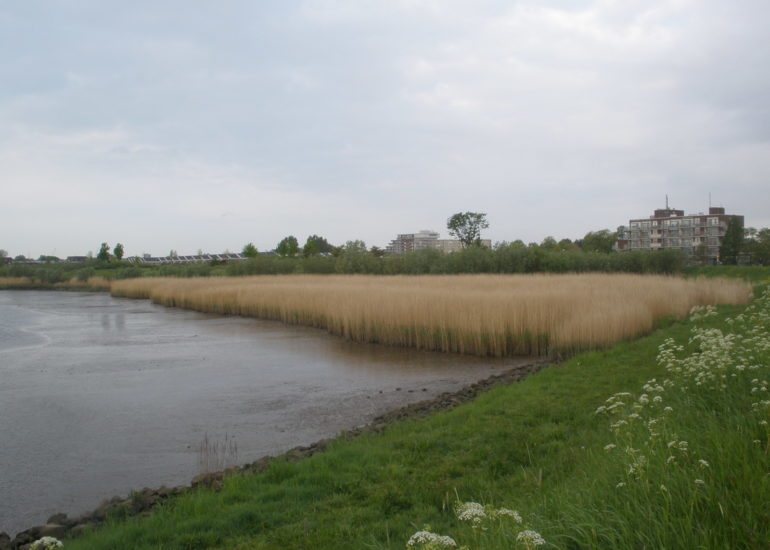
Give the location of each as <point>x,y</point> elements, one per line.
<point>668,228</point>
<point>409,242</point>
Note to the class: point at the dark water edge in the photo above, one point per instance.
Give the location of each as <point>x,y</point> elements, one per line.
<point>100,396</point>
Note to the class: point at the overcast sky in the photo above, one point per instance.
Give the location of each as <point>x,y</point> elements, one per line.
<point>194,125</point>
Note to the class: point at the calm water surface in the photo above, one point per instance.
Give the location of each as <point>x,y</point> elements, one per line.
<point>99,396</point>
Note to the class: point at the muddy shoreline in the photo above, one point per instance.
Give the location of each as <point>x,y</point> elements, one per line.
<point>142,503</point>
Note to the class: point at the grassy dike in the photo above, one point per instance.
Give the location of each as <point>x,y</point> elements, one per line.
<point>543,447</point>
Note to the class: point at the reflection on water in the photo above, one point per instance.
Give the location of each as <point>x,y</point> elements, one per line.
<point>99,396</point>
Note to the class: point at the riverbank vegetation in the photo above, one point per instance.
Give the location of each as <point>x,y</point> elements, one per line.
<point>34,283</point>
<point>354,258</point>
<point>660,442</point>
<point>498,315</point>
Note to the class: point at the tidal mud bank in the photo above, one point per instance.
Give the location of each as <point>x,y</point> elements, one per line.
<point>143,502</point>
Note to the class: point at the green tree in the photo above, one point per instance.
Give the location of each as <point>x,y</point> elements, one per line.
<point>250,251</point>
<point>288,246</point>
<point>316,245</point>
<point>376,251</point>
<point>118,251</point>
<point>467,226</point>
<point>104,253</point>
<point>731,242</point>
<point>355,258</point>
<point>599,241</point>
<point>762,248</point>
<point>549,243</point>
<point>701,254</point>
<point>354,247</point>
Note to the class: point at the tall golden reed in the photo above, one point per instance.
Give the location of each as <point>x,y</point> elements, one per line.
<point>496,315</point>
<point>21,283</point>
<point>12,282</point>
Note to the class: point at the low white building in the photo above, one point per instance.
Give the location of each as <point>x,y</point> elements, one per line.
<point>409,242</point>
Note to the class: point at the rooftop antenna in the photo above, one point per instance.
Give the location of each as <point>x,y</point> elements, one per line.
<point>666,202</point>
<point>709,199</point>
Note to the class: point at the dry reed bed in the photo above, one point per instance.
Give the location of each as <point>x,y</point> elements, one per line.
<point>93,283</point>
<point>13,281</point>
<point>496,315</point>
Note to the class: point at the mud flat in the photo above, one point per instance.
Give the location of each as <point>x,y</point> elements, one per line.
<point>102,396</point>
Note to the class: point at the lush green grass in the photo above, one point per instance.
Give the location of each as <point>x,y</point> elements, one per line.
<point>755,274</point>
<point>536,446</point>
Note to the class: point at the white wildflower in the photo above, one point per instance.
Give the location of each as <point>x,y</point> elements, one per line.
<point>609,447</point>
<point>700,482</point>
<point>530,538</point>
<point>46,543</point>
<point>432,539</point>
<point>703,463</point>
<point>472,512</point>
<point>505,512</point>
<point>620,485</point>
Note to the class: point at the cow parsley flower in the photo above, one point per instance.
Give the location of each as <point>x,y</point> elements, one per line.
<point>430,540</point>
<point>530,538</point>
<point>505,512</point>
<point>472,512</point>
<point>46,543</point>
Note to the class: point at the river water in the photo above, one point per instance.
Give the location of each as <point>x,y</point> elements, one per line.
<point>100,396</point>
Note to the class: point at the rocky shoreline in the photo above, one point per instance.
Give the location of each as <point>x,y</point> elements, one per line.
<point>142,503</point>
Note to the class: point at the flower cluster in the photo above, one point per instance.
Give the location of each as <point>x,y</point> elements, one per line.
<point>427,540</point>
<point>713,364</point>
<point>701,312</point>
<point>46,543</point>
<point>530,538</point>
<point>477,514</point>
<point>483,519</point>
